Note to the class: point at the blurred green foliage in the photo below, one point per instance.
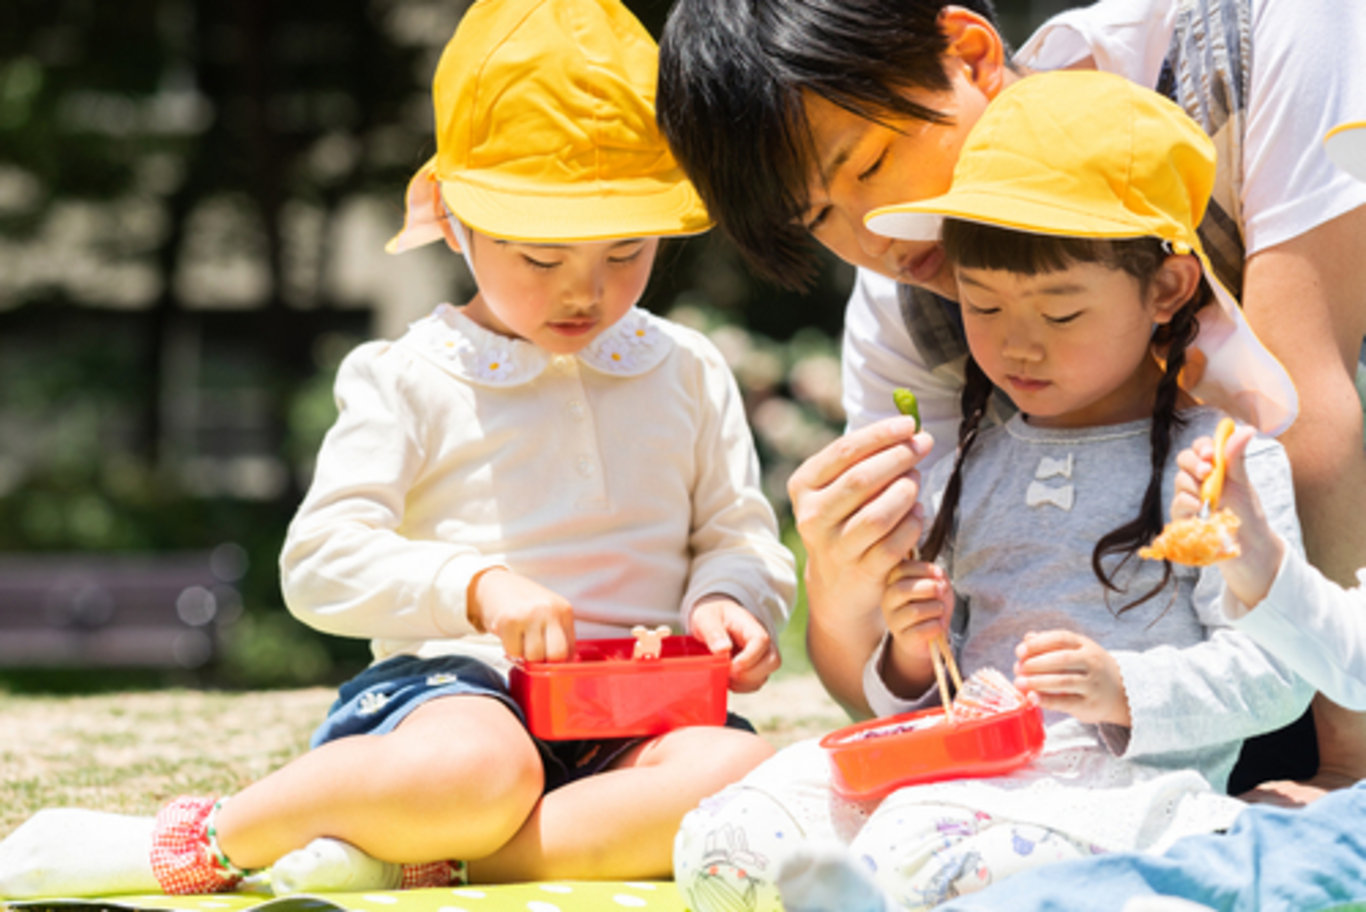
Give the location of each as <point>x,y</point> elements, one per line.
<point>192,197</point>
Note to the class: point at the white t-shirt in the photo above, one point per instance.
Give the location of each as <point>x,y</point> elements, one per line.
<point>1305,59</point>
<point>623,478</point>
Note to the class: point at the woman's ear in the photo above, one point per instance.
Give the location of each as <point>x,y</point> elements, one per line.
<point>975,45</point>
<point>1177,280</point>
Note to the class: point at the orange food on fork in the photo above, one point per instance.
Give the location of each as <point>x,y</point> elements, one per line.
<point>1196,541</point>
<point>1205,538</point>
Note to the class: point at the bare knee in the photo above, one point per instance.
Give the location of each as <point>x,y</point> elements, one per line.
<point>470,770</point>
<point>706,759</point>
<point>734,753</point>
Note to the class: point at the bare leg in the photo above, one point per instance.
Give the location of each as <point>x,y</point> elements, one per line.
<point>456,779</point>
<point>1342,759</point>
<point>621,823</point>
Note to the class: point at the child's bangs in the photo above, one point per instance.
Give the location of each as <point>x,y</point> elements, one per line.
<point>975,245</point>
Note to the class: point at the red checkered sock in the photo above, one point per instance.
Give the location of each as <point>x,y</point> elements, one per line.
<point>185,854</point>
<point>434,874</point>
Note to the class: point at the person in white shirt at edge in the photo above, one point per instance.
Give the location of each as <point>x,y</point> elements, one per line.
<point>546,463</point>
<point>795,118</point>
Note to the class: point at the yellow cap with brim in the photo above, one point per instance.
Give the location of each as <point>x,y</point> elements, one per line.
<point>545,131</point>
<point>1090,154</point>
<point>1346,146</point>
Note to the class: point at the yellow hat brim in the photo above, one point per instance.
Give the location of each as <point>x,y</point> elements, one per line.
<point>1346,146</point>
<point>1236,373</point>
<point>922,220</point>
<point>641,208</point>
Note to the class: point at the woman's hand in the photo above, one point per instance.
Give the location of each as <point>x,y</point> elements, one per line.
<point>855,508</point>
<point>1072,674</point>
<point>725,626</point>
<point>916,607</point>
<point>532,622</point>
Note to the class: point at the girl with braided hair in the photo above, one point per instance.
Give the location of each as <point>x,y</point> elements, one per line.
<point>1101,346</point>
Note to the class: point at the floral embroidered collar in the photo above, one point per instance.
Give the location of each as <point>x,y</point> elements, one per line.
<point>632,346</point>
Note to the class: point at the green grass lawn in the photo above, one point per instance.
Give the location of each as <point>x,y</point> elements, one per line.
<point>131,750</point>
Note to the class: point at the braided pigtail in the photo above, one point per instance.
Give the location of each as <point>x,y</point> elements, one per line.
<point>1176,336</point>
<point>976,394</point>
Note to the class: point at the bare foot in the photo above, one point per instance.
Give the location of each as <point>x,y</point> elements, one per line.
<point>75,852</point>
<point>1290,794</point>
<point>330,865</point>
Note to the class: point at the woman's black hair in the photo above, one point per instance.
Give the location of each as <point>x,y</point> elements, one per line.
<point>977,246</point>
<point>732,76</point>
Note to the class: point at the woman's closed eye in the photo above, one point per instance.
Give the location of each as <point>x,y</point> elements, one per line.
<point>1062,319</point>
<point>814,222</point>
<point>872,169</point>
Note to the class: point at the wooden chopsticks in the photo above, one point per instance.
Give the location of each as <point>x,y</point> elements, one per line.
<point>941,657</point>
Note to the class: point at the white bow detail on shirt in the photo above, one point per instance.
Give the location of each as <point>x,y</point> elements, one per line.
<point>1039,494</point>
<point>1048,467</point>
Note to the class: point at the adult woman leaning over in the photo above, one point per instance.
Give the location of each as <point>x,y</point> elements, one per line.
<point>795,118</point>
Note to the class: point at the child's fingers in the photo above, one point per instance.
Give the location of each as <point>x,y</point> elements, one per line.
<point>923,620</point>
<point>750,674</point>
<point>533,643</point>
<point>757,656</point>
<point>918,589</point>
<point>911,570</point>
<point>1192,464</point>
<point>559,642</point>
<point>744,630</point>
<point>1234,451</point>
<point>709,628</point>
<point>919,604</point>
<point>1036,644</point>
<point>1185,504</point>
<point>1194,468</point>
<point>1064,703</point>
<point>1052,685</point>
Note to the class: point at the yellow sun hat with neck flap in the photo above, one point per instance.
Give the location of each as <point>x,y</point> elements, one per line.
<point>1082,153</point>
<point>545,131</point>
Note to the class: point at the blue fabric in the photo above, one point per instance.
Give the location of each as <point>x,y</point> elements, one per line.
<point>375,701</point>
<point>1271,859</point>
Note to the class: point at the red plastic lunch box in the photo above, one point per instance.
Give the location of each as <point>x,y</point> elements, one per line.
<point>873,758</point>
<point>602,692</point>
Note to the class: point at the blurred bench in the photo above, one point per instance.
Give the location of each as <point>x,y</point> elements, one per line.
<point>117,610</point>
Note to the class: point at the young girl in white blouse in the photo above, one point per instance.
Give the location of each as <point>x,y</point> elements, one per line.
<point>545,463</point>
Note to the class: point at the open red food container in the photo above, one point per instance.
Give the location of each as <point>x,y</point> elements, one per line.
<point>601,692</point>
<point>873,758</point>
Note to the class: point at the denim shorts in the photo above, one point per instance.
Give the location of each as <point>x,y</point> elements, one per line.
<point>375,701</point>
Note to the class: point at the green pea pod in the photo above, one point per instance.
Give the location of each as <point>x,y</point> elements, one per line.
<point>906,404</point>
